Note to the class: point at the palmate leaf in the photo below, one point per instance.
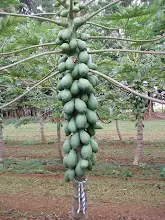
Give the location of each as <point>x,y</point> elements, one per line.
<point>131,12</point>
<point>7,3</point>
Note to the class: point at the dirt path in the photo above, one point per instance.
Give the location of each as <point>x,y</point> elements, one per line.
<point>20,208</point>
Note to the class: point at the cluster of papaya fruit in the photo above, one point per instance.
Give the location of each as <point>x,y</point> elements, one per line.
<point>79,104</point>
<point>0,117</point>
<point>138,102</point>
<point>138,106</point>
<point>64,11</point>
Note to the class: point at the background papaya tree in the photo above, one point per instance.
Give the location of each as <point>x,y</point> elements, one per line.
<point>19,79</point>
<point>1,138</point>
<point>72,24</point>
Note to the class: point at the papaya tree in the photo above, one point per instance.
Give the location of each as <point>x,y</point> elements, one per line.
<point>76,89</point>
<point>1,142</point>
<point>139,108</point>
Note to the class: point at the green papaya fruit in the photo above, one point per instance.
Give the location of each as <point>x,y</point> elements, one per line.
<point>75,140</point>
<point>60,34</point>
<point>66,116</point>
<point>84,137</point>
<point>83,57</point>
<point>93,159</point>
<point>84,97</point>
<point>59,87</point>
<point>62,67</point>
<point>65,95</point>
<point>66,147</point>
<point>84,85</point>
<point>84,163</point>
<point>80,105</point>
<point>69,107</point>
<point>66,81</point>
<point>66,34</point>
<point>71,174</point>
<point>72,125</point>
<point>91,90</point>
<point>80,172</point>
<point>94,145</point>
<point>59,96</point>
<point>69,63</point>
<point>62,59</point>
<point>58,41</point>
<point>90,165</point>
<point>91,116</point>
<point>64,13</point>
<point>82,5</point>
<point>66,178</point>
<point>92,65</point>
<point>92,80</point>
<point>78,22</point>
<point>98,126</point>
<point>87,125</point>
<point>65,47</point>
<point>81,45</point>
<point>81,121</point>
<point>83,36</point>
<point>64,161</point>
<point>57,4</point>
<point>72,159</point>
<point>75,72</point>
<point>67,132</point>
<point>83,69</point>
<point>91,130</point>
<point>73,44</point>
<point>92,102</point>
<point>86,152</point>
<point>76,8</point>
<point>74,88</point>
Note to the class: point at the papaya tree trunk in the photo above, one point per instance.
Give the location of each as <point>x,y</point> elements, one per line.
<point>138,153</point>
<point>75,203</point>
<point>1,145</point>
<point>59,138</point>
<point>118,130</point>
<point>43,139</point>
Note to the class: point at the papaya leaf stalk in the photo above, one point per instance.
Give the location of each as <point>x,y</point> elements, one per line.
<point>104,27</point>
<point>26,92</point>
<point>125,50</point>
<point>98,11</point>
<point>27,48</point>
<point>45,13</point>
<point>29,58</point>
<point>59,23</point>
<point>122,39</point>
<point>118,84</point>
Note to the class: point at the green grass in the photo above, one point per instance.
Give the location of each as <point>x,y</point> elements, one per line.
<point>153,130</point>
<point>52,166</point>
<point>123,191</point>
